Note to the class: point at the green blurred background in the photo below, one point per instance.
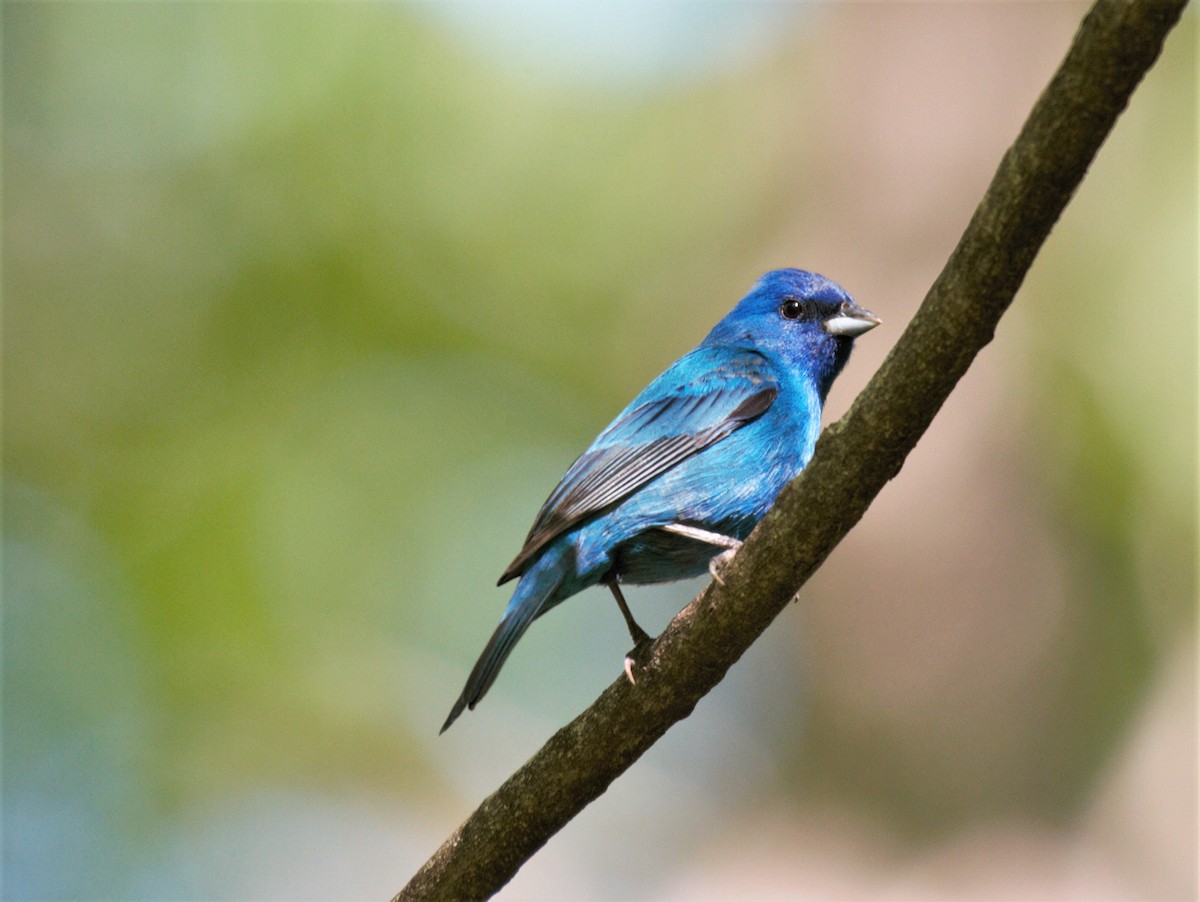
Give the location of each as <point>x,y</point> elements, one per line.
<point>307,307</point>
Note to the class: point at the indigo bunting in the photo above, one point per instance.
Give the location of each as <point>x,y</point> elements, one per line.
<point>684,473</point>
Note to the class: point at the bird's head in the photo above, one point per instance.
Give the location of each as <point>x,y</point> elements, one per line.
<point>800,319</point>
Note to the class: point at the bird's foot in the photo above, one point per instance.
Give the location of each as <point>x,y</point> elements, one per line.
<point>728,543</point>
<point>641,639</point>
<point>721,561</point>
<point>635,656</point>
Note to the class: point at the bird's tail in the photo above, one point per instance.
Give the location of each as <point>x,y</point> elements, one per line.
<point>534,594</point>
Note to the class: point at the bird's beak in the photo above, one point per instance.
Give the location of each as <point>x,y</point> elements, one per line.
<point>851,320</point>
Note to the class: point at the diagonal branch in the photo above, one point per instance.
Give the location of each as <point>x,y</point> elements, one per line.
<point>1116,44</point>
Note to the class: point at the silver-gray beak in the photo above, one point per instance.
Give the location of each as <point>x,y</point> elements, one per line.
<point>851,321</point>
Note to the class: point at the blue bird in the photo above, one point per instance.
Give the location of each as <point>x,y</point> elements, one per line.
<point>684,473</point>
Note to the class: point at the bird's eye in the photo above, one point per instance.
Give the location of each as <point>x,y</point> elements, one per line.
<point>791,309</point>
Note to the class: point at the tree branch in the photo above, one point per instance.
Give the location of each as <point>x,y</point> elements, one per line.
<point>1116,44</point>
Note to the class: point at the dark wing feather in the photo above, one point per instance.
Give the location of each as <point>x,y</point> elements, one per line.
<point>655,433</point>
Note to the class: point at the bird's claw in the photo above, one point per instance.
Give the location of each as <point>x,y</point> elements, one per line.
<point>635,653</point>
<point>717,563</point>
<point>721,561</point>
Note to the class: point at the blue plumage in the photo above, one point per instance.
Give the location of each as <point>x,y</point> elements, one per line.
<point>692,464</point>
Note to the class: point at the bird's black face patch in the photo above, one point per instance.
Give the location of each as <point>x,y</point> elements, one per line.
<point>809,310</point>
<point>797,309</point>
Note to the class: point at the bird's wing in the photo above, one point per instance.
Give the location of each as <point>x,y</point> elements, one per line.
<point>702,398</point>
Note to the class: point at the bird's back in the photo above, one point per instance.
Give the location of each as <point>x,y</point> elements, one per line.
<point>724,488</point>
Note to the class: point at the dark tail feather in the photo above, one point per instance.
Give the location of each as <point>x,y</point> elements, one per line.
<point>528,601</point>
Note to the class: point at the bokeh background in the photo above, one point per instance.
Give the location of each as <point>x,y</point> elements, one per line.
<point>307,307</point>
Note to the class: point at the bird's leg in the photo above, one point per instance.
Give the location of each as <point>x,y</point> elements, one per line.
<point>641,639</point>
<point>718,562</point>
<point>636,633</point>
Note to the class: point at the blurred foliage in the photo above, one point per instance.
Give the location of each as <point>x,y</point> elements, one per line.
<point>305,306</point>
